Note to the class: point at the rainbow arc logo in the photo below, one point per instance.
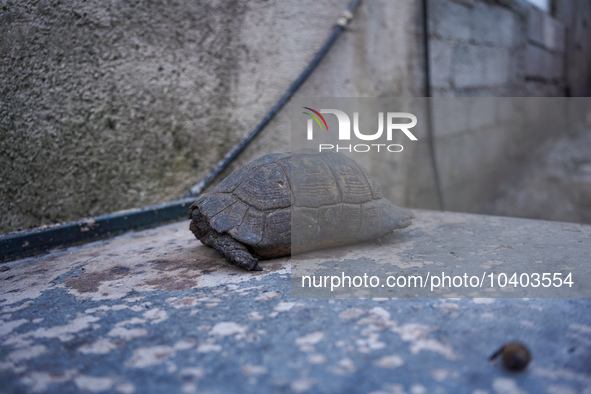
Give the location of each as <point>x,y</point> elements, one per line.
<point>316,118</point>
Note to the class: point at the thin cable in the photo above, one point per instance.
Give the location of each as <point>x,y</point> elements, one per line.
<point>232,154</point>
<point>428,94</point>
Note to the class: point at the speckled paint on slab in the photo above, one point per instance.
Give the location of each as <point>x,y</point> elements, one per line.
<point>155,311</point>
<point>472,250</point>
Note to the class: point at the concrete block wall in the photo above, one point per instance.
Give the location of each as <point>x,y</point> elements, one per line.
<point>576,15</point>
<point>488,48</point>
<point>473,46</point>
<point>496,48</point>
<point>545,55</point>
<point>481,143</point>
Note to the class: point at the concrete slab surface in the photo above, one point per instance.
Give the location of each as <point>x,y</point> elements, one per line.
<point>157,312</point>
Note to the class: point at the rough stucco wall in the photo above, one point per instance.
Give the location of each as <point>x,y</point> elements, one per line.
<point>103,103</point>
<point>113,105</point>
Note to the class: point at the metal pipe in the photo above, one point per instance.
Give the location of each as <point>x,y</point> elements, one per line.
<point>238,148</point>
<point>428,95</point>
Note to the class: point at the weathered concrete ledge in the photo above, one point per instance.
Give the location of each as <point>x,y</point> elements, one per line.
<point>156,311</point>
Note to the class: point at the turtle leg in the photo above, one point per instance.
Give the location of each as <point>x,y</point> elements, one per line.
<point>235,252</point>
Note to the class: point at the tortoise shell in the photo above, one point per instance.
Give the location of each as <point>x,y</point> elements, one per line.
<point>284,202</point>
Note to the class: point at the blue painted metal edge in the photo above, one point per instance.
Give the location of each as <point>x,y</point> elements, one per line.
<point>40,240</point>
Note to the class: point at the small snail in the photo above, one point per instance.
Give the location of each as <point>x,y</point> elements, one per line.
<point>516,356</point>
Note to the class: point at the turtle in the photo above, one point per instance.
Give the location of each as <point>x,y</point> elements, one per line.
<point>283,203</point>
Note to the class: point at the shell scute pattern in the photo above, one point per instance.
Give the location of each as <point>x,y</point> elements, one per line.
<point>286,202</point>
